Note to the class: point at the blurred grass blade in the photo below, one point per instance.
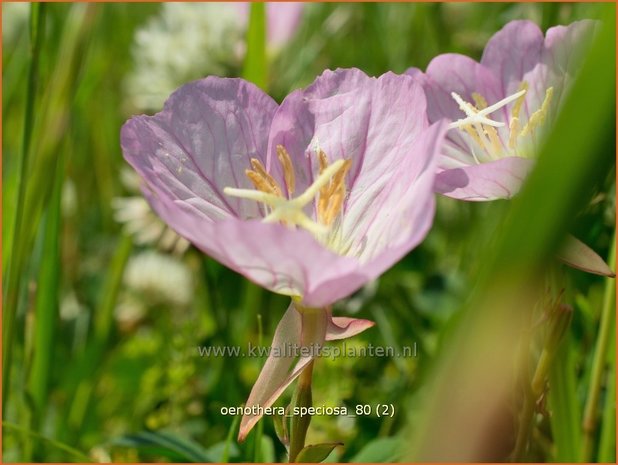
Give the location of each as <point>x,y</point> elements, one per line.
<point>17,246</point>
<point>104,317</point>
<point>58,445</point>
<point>229,440</point>
<point>599,363</point>
<point>463,427</point>
<point>182,447</point>
<point>47,300</point>
<point>564,404</point>
<point>255,67</point>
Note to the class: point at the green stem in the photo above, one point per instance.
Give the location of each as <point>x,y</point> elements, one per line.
<point>599,361</point>
<point>607,441</point>
<point>300,424</point>
<point>14,272</point>
<point>255,66</point>
<point>532,394</point>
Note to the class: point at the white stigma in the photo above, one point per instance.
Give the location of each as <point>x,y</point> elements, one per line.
<point>474,116</point>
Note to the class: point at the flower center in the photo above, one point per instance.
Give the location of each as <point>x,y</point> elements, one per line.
<point>489,140</point>
<point>328,190</point>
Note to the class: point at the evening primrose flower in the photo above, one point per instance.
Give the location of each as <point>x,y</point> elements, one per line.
<point>502,107</point>
<point>500,110</point>
<point>312,199</point>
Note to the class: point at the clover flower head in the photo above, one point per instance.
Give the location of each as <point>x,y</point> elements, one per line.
<point>210,36</point>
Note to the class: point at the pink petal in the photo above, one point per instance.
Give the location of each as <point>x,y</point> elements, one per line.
<point>277,374</point>
<point>452,72</point>
<point>512,52</point>
<point>578,255</point>
<point>564,51</point>
<point>500,179</point>
<point>341,327</point>
<point>202,142</point>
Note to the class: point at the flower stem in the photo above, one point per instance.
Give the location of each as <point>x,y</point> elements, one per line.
<point>300,424</point>
<point>599,361</point>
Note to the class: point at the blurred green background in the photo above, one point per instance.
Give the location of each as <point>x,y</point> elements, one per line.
<point>106,309</point>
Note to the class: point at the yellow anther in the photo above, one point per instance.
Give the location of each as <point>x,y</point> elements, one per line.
<point>513,132</point>
<point>323,160</point>
<point>520,101</point>
<point>492,133</point>
<point>332,195</point>
<point>261,179</point>
<point>537,118</point>
<point>328,189</point>
<point>288,168</point>
<point>472,133</point>
<point>259,182</point>
<point>479,101</point>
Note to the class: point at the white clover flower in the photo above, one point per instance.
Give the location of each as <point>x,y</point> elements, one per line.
<point>187,41</point>
<point>183,42</point>
<point>141,222</point>
<point>159,279</point>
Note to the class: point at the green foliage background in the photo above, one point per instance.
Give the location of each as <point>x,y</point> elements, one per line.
<point>86,384</point>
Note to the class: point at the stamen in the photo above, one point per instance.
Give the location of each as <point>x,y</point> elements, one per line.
<point>266,180</point>
<point>323,179</point>
<point>513,132</point>
<point>291,211</point>
<point>492,133</point>
<point>520,101</point>
<point>288,168</point>
<point>537,118</point>
<point>259,182</point>
<point>331,200</point>
<point>329,189</point>
<point>323,159</point>
<point>479,101</point>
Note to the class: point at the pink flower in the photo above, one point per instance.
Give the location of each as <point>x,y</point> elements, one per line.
<point>500,107</point>
<point>311,199</point>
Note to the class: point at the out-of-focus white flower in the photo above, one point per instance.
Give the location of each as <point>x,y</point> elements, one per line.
<point>141,222</point>
<point>187,41</point>
<point>14,20</point>
<point>183,42</point>
<point>152,278</point>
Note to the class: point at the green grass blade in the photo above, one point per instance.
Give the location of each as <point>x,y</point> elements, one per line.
<point>564,404</point>
<point>255,68</point>
<point>229,440</point>
<point>47,301</point>
<point>18,249</point>
<point>58,445</point>
<point>599,372</point>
